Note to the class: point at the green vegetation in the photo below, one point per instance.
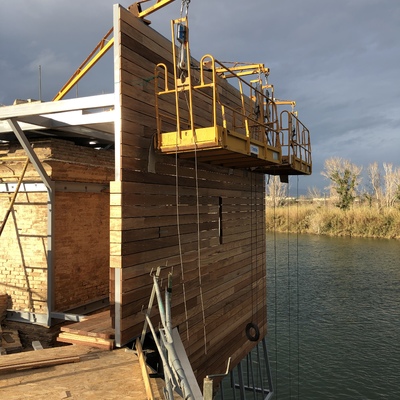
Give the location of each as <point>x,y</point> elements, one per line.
<point>360,220</point>
<point>349,210</point>
<point>345,179</point>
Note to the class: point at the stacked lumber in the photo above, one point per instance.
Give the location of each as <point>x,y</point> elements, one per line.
<point>43,358</point>
<point>94,331</point>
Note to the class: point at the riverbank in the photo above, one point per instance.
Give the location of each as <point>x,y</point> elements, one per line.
<point>361,221</point>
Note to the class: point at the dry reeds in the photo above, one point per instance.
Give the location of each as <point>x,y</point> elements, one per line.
<point>361,220</point>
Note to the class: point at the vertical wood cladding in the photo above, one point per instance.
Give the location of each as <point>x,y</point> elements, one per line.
<point>221,221</point>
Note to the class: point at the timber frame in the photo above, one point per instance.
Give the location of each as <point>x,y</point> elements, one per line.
<point>183,211</point>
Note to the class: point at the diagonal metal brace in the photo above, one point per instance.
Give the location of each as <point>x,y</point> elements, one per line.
<point>33,158</point>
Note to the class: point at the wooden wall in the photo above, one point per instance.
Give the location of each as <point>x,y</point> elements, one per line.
<point>226,235</point>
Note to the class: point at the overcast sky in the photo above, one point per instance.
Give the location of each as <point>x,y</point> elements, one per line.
<point>339,59</point>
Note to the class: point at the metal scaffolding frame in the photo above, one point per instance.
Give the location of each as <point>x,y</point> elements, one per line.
<point>85,117</point>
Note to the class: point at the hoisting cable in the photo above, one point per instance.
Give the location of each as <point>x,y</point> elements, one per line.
<point>252,330</point>
<point>275,296</point>
<point>185,5</point>
<point>183,37</point>
<point>251,245</point>
<point>298,293</point>
<point>256,235</point>
<point>289,289</point>
<point>199,249</point>
<point>179,237</point>
<point>257,278</point>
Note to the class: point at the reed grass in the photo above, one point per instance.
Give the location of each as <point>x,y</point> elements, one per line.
<point>360,221</point>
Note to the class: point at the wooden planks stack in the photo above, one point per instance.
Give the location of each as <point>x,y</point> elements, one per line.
<point>41,358</point>
<point>95,331</point>
<point>221,221</point>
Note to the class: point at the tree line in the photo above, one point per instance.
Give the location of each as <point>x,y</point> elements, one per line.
<point>382,188</point>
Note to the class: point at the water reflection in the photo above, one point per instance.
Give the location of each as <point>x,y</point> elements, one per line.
<point>334,317</point>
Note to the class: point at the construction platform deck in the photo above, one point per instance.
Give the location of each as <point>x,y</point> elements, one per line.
<point>75,372</point>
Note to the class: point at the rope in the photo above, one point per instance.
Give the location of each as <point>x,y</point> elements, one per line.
<point>198,235</point>
<point>298,293</point>
<point>199,249</point>
<point>183,4</point>
<point>179,237</point>
<point>251,245</point>
<point>289,290</point>
<point>261,318</point>
<point>256,215</point>
<point>276,304</point>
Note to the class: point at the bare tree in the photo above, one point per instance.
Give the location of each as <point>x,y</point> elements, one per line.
<point>375,180</point>
<point>345,178</point>
<point>391,181</point>
<point>276,190</point>
<point>313,193</point>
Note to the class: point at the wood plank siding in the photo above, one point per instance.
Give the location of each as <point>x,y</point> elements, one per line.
<point>220,238</point>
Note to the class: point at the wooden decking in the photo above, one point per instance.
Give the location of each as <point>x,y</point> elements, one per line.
<point>86,373</point>
<point>96,330</point>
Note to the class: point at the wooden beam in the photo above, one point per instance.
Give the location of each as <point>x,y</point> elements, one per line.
<point>143,367</point>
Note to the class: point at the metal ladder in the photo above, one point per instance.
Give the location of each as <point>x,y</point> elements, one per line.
<point>17,187</point>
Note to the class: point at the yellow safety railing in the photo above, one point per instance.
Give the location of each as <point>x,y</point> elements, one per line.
<point>197,109</point>
<point>295,141</point>
<point>254,115</point>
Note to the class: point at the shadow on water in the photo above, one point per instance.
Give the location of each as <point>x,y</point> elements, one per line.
<point>334,317</point>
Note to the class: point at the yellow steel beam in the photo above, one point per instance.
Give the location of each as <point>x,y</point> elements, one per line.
<point>242,70</point>
<point>136,8</point>
<point>102,47</point>
<point>285,102</point>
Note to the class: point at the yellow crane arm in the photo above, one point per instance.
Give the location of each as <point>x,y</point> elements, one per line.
<point>242,70</point>
<point>104,45</point>
<point>136,8</point>
<point>98,52</point>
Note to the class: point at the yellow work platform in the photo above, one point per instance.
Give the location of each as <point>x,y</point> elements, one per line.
<point>215,145</point>
<point>200,115</point>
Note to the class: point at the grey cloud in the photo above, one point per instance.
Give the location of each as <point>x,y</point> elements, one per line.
<point>338,59</point>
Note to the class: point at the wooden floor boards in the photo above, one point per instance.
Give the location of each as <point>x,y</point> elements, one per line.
<point>95,331</point>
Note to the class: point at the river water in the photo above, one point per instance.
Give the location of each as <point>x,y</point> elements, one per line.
<point>333,317</point>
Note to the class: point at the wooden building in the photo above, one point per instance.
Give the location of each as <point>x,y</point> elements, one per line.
<point>91,223</point>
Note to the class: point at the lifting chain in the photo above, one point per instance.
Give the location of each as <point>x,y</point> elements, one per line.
<point>185,6</point>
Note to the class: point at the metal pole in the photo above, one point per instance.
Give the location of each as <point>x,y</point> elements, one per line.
<point>173,359</point>
<point>269,374</point>
<point>259,368</point>
<point>50,185</point>
<point>34,159</point>
<point>168,292</point>
<point>50,253</point>
<point>241,383</point>
<point>161,308</point>
<point>149,307</point>
<point>40,82</point>
<point>167,371</point>
<point>207,389</point>
<point>250,358</point>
